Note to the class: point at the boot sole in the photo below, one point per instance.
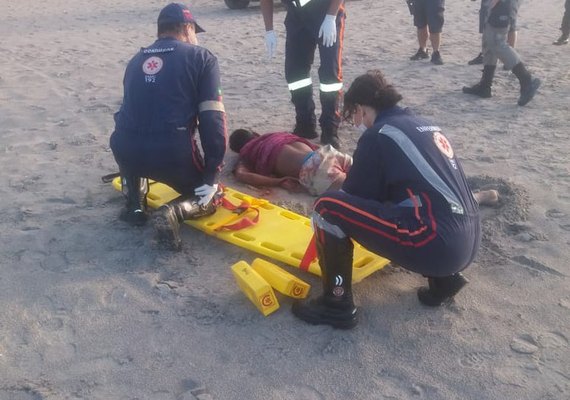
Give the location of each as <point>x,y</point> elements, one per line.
<point>166,235</point>
<point>133,218</point>
<point>482,96</point>
<point>320,320</point>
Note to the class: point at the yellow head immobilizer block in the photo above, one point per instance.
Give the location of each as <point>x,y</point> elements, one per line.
<point>255,288</point>
<point>281,280</point>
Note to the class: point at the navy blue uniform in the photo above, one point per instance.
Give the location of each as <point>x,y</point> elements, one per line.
<point>168,88</point>
<point>302,23</point>
<point>406,197</point>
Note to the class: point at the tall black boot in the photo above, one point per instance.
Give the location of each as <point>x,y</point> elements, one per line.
<point>330,118</point>
<point>529,85</point>
<point>168,217</point>
<point>329,135</point>
<point>135,190</point>
<point>483,88</point>
<point>335,306</point>
<point>305,121</point>
<point>441,290</point>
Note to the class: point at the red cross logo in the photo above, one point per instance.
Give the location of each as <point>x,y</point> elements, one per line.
<point>152,65</point>
<point>443,144</point>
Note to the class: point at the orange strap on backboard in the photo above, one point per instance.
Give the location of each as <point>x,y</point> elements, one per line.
<point>310,254</point>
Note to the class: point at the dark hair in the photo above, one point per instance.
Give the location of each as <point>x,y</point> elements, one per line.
<point>240,137</point>
<point>171,27</point>
<point>370,89</point>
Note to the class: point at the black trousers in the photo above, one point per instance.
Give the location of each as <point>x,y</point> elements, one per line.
<point>302,26</point>
<point>565,27</point>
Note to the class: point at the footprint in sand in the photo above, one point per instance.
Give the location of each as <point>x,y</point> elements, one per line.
<point>547,355</point>
<point>475,360</point>
<point>554,213</point>
<point>524,344</point>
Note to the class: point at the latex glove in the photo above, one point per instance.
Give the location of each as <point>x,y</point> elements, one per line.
<point>270,43</point>
<point>328,30</point>
<point>206,193</point>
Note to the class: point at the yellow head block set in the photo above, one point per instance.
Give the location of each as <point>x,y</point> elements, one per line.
<point>281,280</point>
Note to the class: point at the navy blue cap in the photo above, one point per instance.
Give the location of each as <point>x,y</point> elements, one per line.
<point>176,13</point>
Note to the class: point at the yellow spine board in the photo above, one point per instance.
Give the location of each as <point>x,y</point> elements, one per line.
<point>281,280</point>
<point>255,288</point>
<point>280,235</point>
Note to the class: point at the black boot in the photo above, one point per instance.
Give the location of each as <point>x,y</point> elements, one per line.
<point>335,306</point>
<point>563,39</point>
<point>306,129</point>
<point>330,136</point>
<point>135,190</point>
<point>529,85</point>
<point>441,290</point>
<point>477,60</point>
<point>168,217</point>
<point>483,88</point>
<point>329,120</point>
<point>305,120</point>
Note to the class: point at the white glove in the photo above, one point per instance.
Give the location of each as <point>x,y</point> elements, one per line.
<point>206,193</point>
<point>270,44</point>
<point>328,30</point>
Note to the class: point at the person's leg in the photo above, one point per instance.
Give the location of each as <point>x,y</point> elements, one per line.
<point>127,153</point>
<point>299,55</point>
<point>421,23</point>
<point>483,87</point>
<point>435,39</point>
<point>182,171</point>
<point>565,26</point>
<point>135,190</point>
<point>335,306</point>
<point>423,52</point>
<point>512,61</point>
<point>512,38</point>
<point>487,197</point>
<point>169,216</point>
<point>330,76</point>
<point>423,36</point>
<point>435,15</point>
<point>482,18</point>
<point>407,237</point>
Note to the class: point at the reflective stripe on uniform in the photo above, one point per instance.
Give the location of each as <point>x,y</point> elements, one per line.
<point>300,84</point>
<point>331,87</point>
<point>319,222</point>
<point>211,105</point>
<point>423,167</point>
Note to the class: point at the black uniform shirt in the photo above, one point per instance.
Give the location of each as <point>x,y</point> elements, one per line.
<point>403,154</point>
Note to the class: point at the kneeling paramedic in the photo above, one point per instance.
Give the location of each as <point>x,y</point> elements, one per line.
<point>405,198</point>
<point>171,88</point>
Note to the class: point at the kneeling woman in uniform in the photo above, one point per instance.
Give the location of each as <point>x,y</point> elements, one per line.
<point>405,198</point>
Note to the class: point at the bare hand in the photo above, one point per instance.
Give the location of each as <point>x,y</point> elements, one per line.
<point>291,184</point>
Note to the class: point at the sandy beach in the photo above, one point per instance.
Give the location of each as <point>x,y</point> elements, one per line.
<point>93,309</point>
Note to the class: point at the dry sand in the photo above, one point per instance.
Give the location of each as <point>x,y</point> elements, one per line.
<point>91,309</point>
